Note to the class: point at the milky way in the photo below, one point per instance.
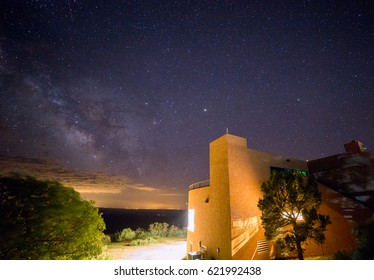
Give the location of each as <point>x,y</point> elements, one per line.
<point>140,88</point>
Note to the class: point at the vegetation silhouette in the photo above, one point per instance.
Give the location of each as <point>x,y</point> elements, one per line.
<point>364,249</point>
<point>156,231</point>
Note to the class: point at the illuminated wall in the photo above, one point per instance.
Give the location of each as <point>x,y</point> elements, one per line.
<point>212,207</point>
<point>227,222</point>
<point>226,217</point>
<point>344,213</point>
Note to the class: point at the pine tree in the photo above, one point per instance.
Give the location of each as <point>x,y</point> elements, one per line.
<point>290,211</point>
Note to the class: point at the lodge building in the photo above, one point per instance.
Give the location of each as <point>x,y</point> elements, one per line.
<point>225,222</point>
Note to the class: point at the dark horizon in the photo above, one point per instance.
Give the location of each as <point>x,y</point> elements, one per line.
<point>117,219</point>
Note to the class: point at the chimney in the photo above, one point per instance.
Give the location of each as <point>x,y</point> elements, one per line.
<point>355,147</point>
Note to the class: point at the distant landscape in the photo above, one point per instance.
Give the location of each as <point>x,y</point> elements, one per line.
<point>115,219</point>
<point>118,219</point>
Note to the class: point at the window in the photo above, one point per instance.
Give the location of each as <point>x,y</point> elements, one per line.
<point>191,220</point>
<point>280,169</point>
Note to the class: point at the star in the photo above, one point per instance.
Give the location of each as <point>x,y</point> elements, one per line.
<point>147,87</point>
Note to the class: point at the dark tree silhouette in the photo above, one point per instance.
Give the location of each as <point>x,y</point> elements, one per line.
<point>45,220</point>
<point>289,211</point>
<point>365,243</point>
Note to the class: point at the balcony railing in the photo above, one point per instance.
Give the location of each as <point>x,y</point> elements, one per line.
<point>200,184</point>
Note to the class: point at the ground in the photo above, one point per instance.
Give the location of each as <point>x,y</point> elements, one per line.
<point>166,250</point>
<point>174,249</point>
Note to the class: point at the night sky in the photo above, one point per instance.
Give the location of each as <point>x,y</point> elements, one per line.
<point>139,88</point>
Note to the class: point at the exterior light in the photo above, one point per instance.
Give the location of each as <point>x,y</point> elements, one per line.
<point>191,220</point>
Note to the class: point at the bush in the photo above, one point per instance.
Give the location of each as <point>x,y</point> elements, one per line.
<point>164,230</point>
<point>343,255</point>
<point>159,229</point>
<point>365,241</point>
<point>364,249</point>
<point>173,231</point>
<point>128,234</point>
<point>139,242</point>
<point>143,237</point>
<point>183,232</point>
<point>116,237</point>
<point>106,239</point>
<point>141,234</point>
<point>135,242</point>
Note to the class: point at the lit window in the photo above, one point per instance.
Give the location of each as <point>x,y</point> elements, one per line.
<point>191,220</point>
<point>280,169</point>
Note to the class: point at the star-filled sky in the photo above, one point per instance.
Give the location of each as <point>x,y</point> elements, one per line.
<point>138,89</point>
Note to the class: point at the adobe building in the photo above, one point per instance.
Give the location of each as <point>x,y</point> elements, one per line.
<point>225,222</point>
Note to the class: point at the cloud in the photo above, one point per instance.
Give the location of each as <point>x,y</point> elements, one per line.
<point>83,182</point>
<point>140,187</point>
<point>106,190</point>
<point>173,194</point>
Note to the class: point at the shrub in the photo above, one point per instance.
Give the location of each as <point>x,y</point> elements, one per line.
<point>364,249</point>
<point>365,241</point>
<point>159,229</point>
<point>106,239</point>
<point>135,242</point>
<point>182,232</point>
<point>128,234</point>
<point>175,231</point>
<point>141,234</point>
<point>116,237</point>
<point>139,242</point>
<point>343,255</point>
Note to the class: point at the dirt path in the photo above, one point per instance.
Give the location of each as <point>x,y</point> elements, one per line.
<point>171,250</point>
<point>168,251</point>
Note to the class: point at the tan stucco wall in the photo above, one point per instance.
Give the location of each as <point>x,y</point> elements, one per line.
<point>214,231</point>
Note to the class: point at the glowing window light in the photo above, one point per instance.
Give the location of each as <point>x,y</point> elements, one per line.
<point>281,169</point>
<point>298,216</point>
<point>191,220</point>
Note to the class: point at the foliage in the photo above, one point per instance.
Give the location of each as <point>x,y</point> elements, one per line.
<point>343,255</point>
<point>164,230</point>
<point>45,220</point>
<point>364,249</point>
<point>142,237</point>
<point>142,234</point>
<point>182,232</point>
<point>128,234</point>
<point>174,231</point>
<point>289,211</point>
<point>365,242</point>
<point>116,237</point>
<point>159,229</point>
<point>138,242</point>
<point>106,239</point>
